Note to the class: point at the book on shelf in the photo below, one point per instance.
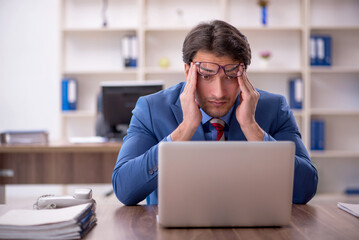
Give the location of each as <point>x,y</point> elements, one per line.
<point>317,134</point>
<point>296,93</point>
<point>62,223</point>
<point>320,50</point>
<point>129,46</point>
<point>24,137</point>
<point>69,94</point>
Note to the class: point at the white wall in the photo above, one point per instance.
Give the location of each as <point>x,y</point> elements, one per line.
<point>29,66</point>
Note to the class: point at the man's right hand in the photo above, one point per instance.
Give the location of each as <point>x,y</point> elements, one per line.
<point>192,116</point>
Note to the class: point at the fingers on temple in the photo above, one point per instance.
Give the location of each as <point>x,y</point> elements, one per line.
<point>242,83</point>
<point>192,80</point>
<point>245,83</point>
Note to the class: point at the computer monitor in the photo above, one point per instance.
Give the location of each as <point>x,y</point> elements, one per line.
<point>118,101</point>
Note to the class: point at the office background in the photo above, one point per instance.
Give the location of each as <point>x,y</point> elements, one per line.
<point>44,41</point>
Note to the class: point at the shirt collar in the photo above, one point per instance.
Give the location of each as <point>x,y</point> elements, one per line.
<point>226,118</point>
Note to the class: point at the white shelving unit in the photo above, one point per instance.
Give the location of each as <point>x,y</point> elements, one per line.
<point>334,94</point>
<point>92,54</point>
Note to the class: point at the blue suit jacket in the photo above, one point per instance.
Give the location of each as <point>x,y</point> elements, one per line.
<point>156,116</point>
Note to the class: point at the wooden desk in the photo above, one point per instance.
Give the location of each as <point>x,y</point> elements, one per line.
<point>58,163</point>
<point>317,220</point>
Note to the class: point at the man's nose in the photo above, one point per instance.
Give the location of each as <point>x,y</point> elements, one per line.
<point>219,88</point>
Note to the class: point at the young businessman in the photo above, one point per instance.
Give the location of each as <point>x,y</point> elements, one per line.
<point>216,56</point>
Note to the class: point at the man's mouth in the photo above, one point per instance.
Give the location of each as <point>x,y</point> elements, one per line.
<point>217,103</point>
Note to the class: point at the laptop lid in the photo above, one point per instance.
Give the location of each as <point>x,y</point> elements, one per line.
<point>225,184</point>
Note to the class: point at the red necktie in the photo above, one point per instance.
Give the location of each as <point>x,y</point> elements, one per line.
<point>219,125</point>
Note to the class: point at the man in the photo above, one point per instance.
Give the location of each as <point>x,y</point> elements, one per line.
<point>216,56</point>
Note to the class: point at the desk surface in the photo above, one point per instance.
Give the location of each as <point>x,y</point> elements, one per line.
<point>62,147</point>
<point>316,220</point>
<point>312,221</point>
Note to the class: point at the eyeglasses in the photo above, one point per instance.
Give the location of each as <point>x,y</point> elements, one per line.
<point>211,69</point>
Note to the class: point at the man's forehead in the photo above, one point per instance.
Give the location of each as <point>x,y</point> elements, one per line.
<point>208,56</point>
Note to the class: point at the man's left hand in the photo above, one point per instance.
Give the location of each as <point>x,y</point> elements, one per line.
<point>245,112</point>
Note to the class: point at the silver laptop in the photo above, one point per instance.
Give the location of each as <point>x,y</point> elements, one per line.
<point>225,184</point>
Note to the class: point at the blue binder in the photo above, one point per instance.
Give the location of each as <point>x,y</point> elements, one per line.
<point>320,50</point>
<point>296,93</point>
<point>134,51</point>
<point>317,135</point>
<point>69,94</point>
<point>313,50</point>
<point>130,50</point>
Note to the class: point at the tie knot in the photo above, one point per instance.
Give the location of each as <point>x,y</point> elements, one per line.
<point>219,126</point>
<point>217,123</point>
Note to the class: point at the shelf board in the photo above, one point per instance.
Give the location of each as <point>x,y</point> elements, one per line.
<point>270,28</point>
<point>274,70</point>
<point>78,114</point>
<point>334,112</point>
<point>98,30</point>
<point>332,27</point>
<point>297,112</point>
<point>334,69</point>
<point>335,154</point>
<point>101,72</point>
<point>241,28</point>
<point>167,28</point>
<point>157,70</point>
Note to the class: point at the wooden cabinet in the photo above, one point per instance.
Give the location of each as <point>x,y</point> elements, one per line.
<point>61,163</point>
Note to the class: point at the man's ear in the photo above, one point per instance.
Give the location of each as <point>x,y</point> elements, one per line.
<point>186,69</point>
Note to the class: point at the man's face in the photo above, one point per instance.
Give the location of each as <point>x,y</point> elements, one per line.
<point>215,94</point>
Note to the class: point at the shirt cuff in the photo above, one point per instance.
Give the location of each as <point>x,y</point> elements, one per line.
<point>168,138</point>
<point>266,137</point>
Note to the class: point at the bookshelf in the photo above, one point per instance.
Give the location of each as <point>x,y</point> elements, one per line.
<point>332,93</point>
<point>92,54</point>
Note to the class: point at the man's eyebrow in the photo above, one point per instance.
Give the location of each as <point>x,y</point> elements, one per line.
<point>206,69</point>
<point>234,67</point>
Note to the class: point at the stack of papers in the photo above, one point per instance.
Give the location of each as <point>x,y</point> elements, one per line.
<point>63,223</point>
<point>350,208</point>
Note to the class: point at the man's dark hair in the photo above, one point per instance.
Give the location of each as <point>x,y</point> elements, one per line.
<point>219,38</point>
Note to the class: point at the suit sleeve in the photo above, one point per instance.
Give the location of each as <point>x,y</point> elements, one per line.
<point>305,174</point>
<point>135,173</point>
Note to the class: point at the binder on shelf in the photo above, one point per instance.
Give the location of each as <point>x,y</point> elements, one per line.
<point>125,46</point>
<point>296,93</point>
<point>69,94</point>
<point>129,46</point>
<point>313,50</point>
<point>134,51</point>
<point>320,50</point>
<point>317,134</point>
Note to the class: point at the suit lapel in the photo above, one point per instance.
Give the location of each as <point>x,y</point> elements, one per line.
<point>177,112</point>
<point>235,131</point>
<point>199,134</point>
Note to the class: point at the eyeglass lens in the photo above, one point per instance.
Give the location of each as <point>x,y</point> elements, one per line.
<point>211,69</point>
